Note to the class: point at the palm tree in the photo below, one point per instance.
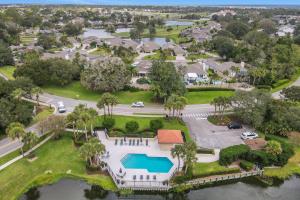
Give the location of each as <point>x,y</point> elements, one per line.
<point>91,151</point>
<point>175,103</point>
<point>177,151</point>
<point>84,119</point>
<point>18,94</point>
<point>37,91</point>
<point>30,139</point>
<point>189,154</point>
<point>16,130</point>
<point>93,114</point>
<point>108,101</point>
<point>73,118</point>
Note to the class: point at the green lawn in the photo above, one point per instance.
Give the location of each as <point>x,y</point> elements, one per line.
<point>286,82</point>
<point>160,32</point>
<point>157,56</point>
<point>205,97</point>
<point>56,157</point>
<point>46,112</point>
<point>292,167</point>
<point>8,71</point>
<point>76,91</point>
<point>144,123</point>
<point>214,168</point>
<point>101,51</point>
<point>9,157</point>
<point>197,56</point>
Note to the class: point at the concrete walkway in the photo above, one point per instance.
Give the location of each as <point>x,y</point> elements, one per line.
<point>207,158</point>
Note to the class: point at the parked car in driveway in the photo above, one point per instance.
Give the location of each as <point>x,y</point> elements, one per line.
<point>61,107</point>
<point>234,125</point>
<point>249,135</point>
<point>138,104</point>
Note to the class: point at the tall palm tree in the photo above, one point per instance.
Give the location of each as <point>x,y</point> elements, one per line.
<point>189,154</point>
<point>177,151</point>
<point>92,150</point>
<point>108,101</point>
<point>18,94</point>
<point>30,139</point>
<point>84,119</point>
<point>16,130</point>
<point>93,114</point>
<point>175,104</point>
<point>73,118</point>
<point>37,91</point>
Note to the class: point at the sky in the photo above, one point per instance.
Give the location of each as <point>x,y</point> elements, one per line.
<point>157,2</point>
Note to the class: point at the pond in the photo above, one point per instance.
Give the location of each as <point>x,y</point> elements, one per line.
<point>158,40</point>
<point>178,23</point>
<point>101,33</point>
<point>248,189</point>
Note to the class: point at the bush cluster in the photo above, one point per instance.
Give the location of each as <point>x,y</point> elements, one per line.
<point>246,165</point>
<point>156,124</point>
<point>233,153</point>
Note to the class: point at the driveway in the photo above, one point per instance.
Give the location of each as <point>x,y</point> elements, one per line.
<point>210,136</point>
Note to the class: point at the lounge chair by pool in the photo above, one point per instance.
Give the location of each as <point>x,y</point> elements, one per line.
<point>133,142</point>
<point>148,177</point>
<point>154,177</point>
<point>141,177</point>
<point>129,142</point>
<point>134,177</point>
<point>116,141</point>
<point>137,142</point>
<point>121,142</point>
<point>146,142</point>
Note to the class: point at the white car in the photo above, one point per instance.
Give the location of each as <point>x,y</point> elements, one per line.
<point>249,135</point>
<point>138,104</point>
<point>61,107</point>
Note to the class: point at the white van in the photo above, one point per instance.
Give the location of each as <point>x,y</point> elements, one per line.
<point>61,107</point>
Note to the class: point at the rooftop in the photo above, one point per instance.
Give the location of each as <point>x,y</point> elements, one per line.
<point>169,137</point>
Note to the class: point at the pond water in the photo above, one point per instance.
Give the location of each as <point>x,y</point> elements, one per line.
<point>101,33</point>
<point>158,40</point>
<point>68,189</point>
<point>178,23</point>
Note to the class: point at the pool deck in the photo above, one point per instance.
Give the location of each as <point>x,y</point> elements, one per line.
<point>117,152</point>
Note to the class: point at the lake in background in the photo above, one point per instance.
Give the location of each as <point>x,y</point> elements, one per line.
<point>101,33</point>
<point>67,189</point>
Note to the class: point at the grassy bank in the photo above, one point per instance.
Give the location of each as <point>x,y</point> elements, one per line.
<point>56,159</point>
<point>281,84</point>
<point>292,167</point>
<point>8,71</point>
<point>214,168</point>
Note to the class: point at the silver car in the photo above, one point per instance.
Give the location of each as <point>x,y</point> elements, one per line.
<point>138,104</point>
<point>249,135</point>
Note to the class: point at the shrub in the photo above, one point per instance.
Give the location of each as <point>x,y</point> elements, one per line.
<point>261,157</point>
<point>132,126</point>
<point>156,124</point>
<point>143,80</point>
<point>205,151</point>
<point>246,165</point>
<point>233,153</point>
<point>108,123</point>
<point>273,147</point>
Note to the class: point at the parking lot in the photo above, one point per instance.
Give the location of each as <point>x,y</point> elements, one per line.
<point>208,135</point>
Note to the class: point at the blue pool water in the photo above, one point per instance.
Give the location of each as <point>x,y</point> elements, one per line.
<point>142,161</point>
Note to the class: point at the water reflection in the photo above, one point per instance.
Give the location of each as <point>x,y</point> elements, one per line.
<point>247,189</point>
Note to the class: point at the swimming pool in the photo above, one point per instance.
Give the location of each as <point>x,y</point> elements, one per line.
<point>151,164</point>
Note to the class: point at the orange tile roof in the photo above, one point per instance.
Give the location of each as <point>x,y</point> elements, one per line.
<point>169,137</point>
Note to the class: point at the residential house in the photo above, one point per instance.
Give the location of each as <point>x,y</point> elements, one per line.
<point>148,47</point>
<point>196,73</point>
<point>175,49</point>
<point>142,67</point>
